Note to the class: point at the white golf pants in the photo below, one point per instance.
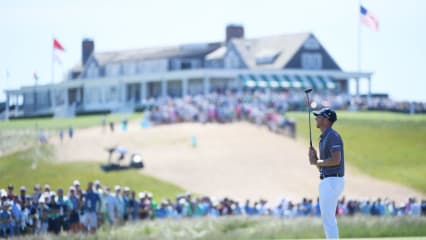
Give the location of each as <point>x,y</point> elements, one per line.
<point>329,191</point>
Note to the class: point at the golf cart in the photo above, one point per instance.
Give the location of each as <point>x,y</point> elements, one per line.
<point>116,155</point>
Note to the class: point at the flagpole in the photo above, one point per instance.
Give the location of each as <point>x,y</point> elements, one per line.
<point>52,89</point>
<point>359,47</point>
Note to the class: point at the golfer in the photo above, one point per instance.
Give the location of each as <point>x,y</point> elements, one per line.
<point>331,166</point>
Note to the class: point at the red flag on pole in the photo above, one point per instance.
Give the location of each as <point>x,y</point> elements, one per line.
<point>57,45</point>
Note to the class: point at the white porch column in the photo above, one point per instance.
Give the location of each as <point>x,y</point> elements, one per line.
<point>78,97</point>
<point>369,90</point>
<point>6,113</point>
<point>16,104</point>
<point>184,87</point>
<point>103,94</point>
<point>53,98</point>
<point>163,87</point>
<point>66,98</point>
<point>143,91</point>
<point>206,85</point>
<point>122,93</point>
<point>357,87</point>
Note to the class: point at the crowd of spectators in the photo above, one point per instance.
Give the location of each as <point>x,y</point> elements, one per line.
<point>295,101</point>
<point>386,104</point>
<point>259,108</point>
<point>76,210</point>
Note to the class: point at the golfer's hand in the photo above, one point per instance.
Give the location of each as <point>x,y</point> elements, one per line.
<point>313,157</point>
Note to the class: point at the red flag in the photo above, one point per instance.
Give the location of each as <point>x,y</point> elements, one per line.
<point>57,45</point>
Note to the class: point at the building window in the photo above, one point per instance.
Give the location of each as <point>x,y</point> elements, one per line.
<point>112,94</point>
<point>149,66</point>
<point>185,65</point>
<point>92,71</point>
<point>267,59</point>
<point>113,70</point>
<point>182,64</point>
<point>231,60</point>
<point>130,68</point>
<point>311,61</point>
<point>311,44</point>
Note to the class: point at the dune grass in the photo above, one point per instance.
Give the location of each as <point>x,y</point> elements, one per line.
<point>35,166</point>
<point>390,146</point>
<point>245,228</point>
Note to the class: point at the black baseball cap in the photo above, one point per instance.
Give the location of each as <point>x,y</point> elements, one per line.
<point>327,113</point>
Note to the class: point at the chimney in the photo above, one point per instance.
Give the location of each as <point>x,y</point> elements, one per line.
<point>234,31</point>
<point>87,48</point>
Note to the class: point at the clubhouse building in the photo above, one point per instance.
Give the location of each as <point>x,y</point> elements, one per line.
<point>120,81</point>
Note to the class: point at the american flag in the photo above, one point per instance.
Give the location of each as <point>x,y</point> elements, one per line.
<point>368,19</point>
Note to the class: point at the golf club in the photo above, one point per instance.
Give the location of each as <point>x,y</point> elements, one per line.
<point>307,91</point>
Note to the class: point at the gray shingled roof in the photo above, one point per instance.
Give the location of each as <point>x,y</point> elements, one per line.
<point>156,52</point>
<point>282,47</point>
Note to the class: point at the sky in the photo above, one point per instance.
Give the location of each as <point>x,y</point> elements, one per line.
<point>395,54</point>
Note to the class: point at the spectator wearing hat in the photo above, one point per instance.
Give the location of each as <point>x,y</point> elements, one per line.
<point>109,205</point>
<point>91,206</point>
<point>22,195</point>
<point>144,206</point>
<point>54,214</point>
<point>126,199</point>
<point>27,222</point>
<point>133,207</point>
<point>32,206</point>
<point>64,209</point>
<point>43,211</point>
<point>16,211</point>
<point>46,188</point>
<point>37,193</point>
<point>119,203</point>
<point>10,194</point>
<point>74,204</point>
<point>5,216</point>
<point>76,184</point>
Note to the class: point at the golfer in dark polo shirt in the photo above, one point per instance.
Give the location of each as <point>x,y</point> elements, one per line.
<point>331,165</point>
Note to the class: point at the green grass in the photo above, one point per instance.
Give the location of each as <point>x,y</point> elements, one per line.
<point>242,228</point>
<point>58,123</point>
<point>17,169</point>
<point>389,146</point>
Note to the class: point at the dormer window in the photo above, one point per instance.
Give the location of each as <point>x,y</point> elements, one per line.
<point>266,57</point>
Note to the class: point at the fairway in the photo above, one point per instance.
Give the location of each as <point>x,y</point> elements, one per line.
<point>388,146</point>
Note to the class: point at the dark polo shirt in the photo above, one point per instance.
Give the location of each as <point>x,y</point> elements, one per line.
<point>330,141</point>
